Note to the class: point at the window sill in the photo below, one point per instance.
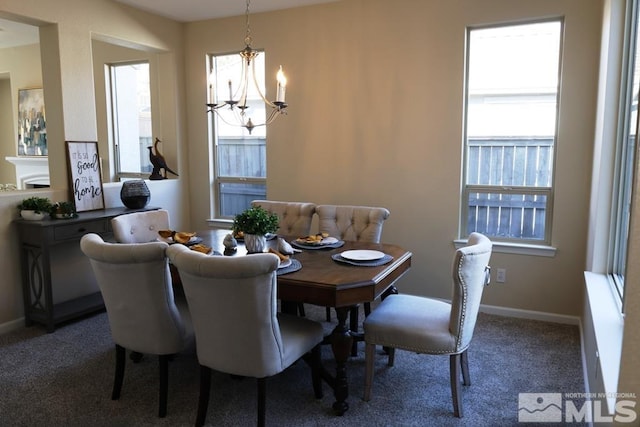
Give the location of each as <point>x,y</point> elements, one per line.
<point>608,326</point>
<point>516,248</point>
<point>220,223</point>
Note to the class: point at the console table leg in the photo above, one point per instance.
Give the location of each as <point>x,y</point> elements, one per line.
<point>341,341</point>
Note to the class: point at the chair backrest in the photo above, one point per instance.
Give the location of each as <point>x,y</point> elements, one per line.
<point>360,223</point>
<point>136,287</point>
<point>294,217</point>
<point>470,275</point>
<point>140,227</point>
<point>232,301</point>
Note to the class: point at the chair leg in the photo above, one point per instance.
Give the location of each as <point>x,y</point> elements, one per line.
<point>262,391</point>
<point>454,367</point>
<point>328,314</point>
<point>316,371</point>
<point>119,375</point>
<point>391,353</point>
<point>369,354</point>
<point>203,400</point>
<point>164,384</point>
<point>464,364</point>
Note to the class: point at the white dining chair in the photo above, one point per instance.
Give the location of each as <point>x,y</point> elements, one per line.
<point>431,326</point>
<point>294,218</point>
<point>233,304</point>
<point>140,227</point>
<point>144,316</point>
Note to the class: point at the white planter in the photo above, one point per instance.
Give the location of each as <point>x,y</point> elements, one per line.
<point>255,243</point>
<point>32,215</point>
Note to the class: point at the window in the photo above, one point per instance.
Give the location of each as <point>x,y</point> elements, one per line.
<point>130,118</point>
<point>510,130</point>
<point>625,151</point>
<point>240,157</point>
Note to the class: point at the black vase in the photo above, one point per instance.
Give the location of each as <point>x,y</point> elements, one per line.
<point>135,194</point>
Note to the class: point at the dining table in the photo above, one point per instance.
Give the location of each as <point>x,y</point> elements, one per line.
<point>320,275</point>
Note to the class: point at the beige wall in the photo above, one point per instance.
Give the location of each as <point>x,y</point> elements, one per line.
<point>375,89</point>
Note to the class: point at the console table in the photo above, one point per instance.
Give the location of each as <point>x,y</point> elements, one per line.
<point>57,280</point>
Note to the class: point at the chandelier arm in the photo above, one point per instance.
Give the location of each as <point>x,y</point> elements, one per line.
<point>255,83</point>
<point>237,116</point>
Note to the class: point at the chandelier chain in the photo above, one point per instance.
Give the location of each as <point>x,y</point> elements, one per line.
<point>247,38</point>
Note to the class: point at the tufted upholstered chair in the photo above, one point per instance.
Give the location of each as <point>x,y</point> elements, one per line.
<point>294,217</point>
<point>359,223</point>
<point>140,227</point>
<point>430,326</point>
<point>237,328</point>
<point>143,315</point>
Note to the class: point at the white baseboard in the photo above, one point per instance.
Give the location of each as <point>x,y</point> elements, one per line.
<point>12,325</point>
<point>530,314</point>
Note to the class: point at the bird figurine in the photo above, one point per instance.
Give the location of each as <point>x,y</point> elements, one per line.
<point>284,247</point>
<point>158,162</point>
<point>230,242</point>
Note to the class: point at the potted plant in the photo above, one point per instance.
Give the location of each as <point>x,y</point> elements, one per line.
<point>34,208</point>
<point>255,223</point>
<point>63,210</point>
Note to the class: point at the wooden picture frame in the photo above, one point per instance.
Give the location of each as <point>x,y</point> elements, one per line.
<point>32,125</point>
<point>85,176</point>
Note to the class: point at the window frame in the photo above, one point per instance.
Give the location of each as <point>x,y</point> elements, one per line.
<point>114,142</point>
<point>511,244</point>
<point>218,180</point>
<point>626,159</point>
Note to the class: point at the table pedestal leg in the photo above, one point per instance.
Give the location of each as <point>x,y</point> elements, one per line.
<point>341,345</point>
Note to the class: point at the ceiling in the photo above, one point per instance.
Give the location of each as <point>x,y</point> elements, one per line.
<point>197,10</point>
<point>17,34</point>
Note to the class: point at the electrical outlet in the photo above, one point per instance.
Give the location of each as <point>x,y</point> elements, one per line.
<point>501,275</point>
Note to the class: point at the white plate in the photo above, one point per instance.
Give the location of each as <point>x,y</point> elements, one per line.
<point>362,255</point>
<point>285,263</point>
<point>329,241</point>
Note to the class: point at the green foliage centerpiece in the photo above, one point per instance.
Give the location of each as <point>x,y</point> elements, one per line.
<point>255,223</point>
<point>34,208</point>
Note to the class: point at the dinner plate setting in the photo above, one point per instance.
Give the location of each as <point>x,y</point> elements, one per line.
<point>363,258</point>
<point>325,243</point>
<point>192,241</point>
<point>289,267</point>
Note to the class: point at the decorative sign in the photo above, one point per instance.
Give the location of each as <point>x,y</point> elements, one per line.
<point>85,175</point>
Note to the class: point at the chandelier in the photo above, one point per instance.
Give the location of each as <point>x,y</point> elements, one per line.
<point>237,102</point>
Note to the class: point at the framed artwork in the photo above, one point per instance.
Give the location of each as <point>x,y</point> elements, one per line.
<point>85,176</point>
<point>32,126</point>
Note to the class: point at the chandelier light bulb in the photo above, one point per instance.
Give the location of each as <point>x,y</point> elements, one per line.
<point>282,85</point>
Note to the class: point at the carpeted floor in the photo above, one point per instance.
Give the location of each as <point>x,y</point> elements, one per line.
<point>65,379</point>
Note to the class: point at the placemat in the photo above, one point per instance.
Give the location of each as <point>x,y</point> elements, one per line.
<point>337,244</point>
<point>373,263</point>
<point>295,266</point>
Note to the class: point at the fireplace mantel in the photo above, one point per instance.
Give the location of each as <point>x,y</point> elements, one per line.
<point>31,171</point>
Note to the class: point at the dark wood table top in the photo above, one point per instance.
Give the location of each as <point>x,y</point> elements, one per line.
<point>325,282</point>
